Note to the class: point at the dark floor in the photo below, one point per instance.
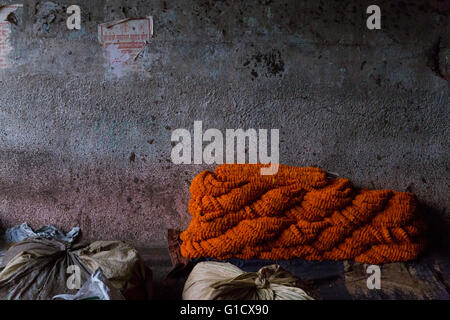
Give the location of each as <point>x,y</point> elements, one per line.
<point>427,278</point>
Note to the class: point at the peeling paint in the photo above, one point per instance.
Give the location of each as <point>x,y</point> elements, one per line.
<point>49,16</point>
<point>269,64</point>
<point>6,13</point>
<point>123,41</point>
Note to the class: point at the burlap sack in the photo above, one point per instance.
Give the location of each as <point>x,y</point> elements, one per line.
<point>224,281</point>
<point>36,268</point>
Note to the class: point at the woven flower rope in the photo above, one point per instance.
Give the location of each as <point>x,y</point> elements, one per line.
<point>298,213</point>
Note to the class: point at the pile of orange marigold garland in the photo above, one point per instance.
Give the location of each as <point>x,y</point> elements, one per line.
<point>298,213</point>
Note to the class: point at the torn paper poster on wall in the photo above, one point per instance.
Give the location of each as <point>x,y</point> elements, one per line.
<point>5,31</point>
<point>123,41</point>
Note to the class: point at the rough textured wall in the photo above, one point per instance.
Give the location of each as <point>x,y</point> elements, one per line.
<point>81,146</point>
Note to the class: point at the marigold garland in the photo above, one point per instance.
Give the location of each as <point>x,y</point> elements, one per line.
<point>298,213</point>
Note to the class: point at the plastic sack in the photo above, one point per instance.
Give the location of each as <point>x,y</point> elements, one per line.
<point>224,281</point>
<point>37,268</point>
<point>23,231</point>
<point>96,288</point>
<point>120,262</point>
<point>3,248</point>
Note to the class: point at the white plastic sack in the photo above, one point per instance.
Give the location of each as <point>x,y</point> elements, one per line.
<point>96,288</point>
<point>224,281</point>
<point>23,231</point>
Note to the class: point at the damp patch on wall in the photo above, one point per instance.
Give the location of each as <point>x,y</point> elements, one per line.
<point>123,41</point>
<point>6,17</point>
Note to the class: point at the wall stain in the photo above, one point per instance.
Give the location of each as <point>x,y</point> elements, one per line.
<point>270,64</point>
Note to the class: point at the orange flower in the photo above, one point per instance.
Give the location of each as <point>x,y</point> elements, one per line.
<point>298,213</point>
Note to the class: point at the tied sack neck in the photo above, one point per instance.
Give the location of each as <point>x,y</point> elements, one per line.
<point>261,285</point>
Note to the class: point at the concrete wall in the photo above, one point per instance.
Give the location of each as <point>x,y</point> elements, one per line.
<point>82,146</point>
